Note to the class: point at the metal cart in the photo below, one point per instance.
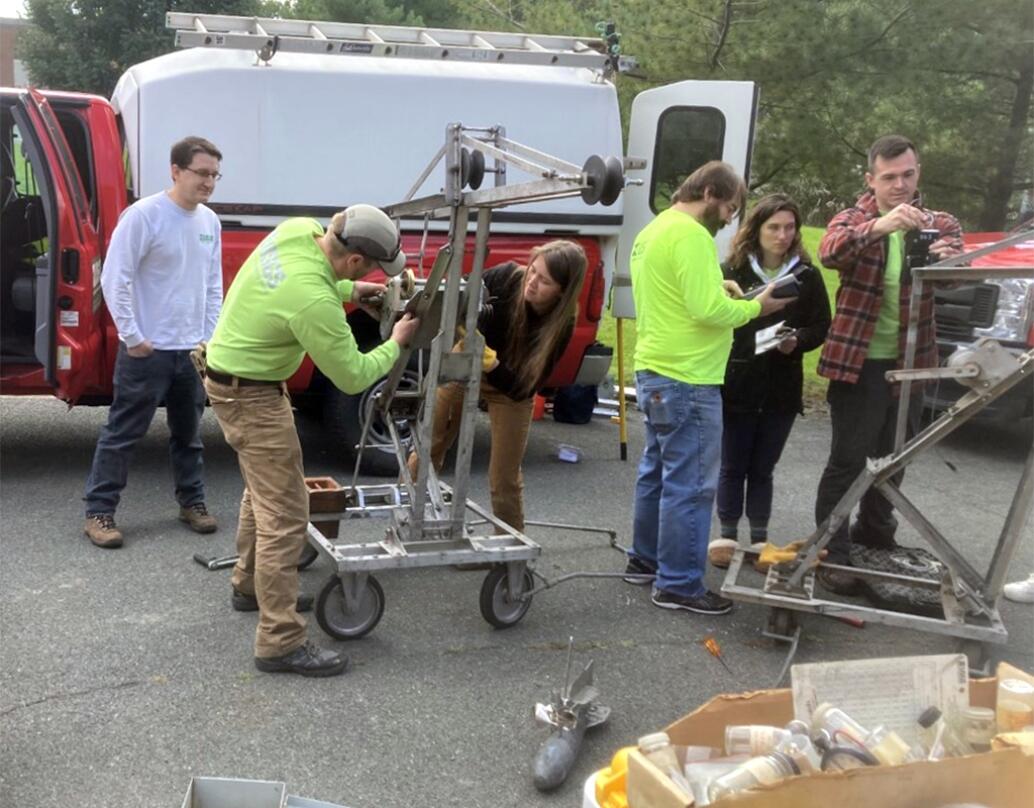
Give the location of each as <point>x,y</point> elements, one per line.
<point>967,598</point>
<point>432,524</point>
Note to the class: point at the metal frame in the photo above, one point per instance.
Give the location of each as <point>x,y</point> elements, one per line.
<point>969,599</point>
<point>430,523</point>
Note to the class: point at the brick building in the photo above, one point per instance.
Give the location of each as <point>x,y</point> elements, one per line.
<point>12,70</point>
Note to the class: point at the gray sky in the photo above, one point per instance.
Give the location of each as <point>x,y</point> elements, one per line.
<point>12,8</point>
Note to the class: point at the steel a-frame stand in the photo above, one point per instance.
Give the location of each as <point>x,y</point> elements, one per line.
<point>430,523</point>
<point>968,599</point>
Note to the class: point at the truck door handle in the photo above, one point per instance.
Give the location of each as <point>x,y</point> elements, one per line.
<point>70,266</point>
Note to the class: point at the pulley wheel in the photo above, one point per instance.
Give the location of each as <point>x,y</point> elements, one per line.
<point>407,284</point>
<point>613,181</point>
<point>477,169</point>
<point>595,170</point>
<point>464,166</point>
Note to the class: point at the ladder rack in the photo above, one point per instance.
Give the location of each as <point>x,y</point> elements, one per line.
<point>267,36</point>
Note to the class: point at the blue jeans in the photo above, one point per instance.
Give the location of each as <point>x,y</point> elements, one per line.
<point>678,474</point>
<point>141,384</point>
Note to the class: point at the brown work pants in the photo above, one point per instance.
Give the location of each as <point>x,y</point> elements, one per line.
<point>509,421</point>
<point>259,424</point>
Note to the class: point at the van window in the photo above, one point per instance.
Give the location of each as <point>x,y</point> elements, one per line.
<point>127,167</point>
<point>687,137</point>
<point>74,129</point>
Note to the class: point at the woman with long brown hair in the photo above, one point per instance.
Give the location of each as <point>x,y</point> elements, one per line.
<point>527,321</point>
<point>762,394</point>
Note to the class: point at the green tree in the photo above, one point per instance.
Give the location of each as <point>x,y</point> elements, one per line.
<point>954,75</point>
<point>374,12</point>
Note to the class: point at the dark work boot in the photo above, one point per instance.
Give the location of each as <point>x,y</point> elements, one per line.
<point>308,660</point>
<point>249,603</point>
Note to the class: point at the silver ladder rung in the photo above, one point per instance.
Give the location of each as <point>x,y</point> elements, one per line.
<point>268,36</point>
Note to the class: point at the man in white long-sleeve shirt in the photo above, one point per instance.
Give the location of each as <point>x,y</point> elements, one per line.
<point>162,283</point>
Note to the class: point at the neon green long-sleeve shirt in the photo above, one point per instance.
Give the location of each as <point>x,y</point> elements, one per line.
<point>286,302</point>
<point>684,319</point>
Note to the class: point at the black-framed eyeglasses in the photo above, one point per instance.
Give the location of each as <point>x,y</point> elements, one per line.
<point>205,175</point>
<point>370,248</point>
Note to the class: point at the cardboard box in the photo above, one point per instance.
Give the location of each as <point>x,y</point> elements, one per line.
<point>999,779</point>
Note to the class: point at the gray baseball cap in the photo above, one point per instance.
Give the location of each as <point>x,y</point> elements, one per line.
<point>370,231</point>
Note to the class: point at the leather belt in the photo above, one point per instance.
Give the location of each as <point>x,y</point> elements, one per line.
<point>230,381</point>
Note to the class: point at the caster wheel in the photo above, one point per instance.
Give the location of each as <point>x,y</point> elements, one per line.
<point>782,622</point>
<point>499,606</point>
<point>342,623</point>
<point>308,555</point>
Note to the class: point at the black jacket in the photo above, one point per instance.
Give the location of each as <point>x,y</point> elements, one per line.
<point>502,285</point>
<point>772,381</point>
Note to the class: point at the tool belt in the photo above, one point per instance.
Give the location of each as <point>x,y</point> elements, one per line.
<point>230,381</point>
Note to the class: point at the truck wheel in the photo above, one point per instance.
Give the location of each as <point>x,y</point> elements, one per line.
<point>343,417</point>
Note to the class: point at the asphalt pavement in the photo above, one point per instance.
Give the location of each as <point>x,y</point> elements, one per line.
<point>124,673</point>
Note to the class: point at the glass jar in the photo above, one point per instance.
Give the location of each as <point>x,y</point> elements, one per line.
<point>1015,705</point>
<point>939,738</point>
<point>753,739</point>
<point>841,727</point>
<point>802,752</point>
<point>978,727</point>
<point>888,747</point>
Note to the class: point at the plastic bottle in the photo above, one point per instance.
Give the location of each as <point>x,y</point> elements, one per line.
<point>1015,705</point>
<point>888,747</point>
<point>884,744</point>
<point>939,738</point>
<point>755,772</point>
<point>803,753</point>
<point>978,727</point>
<point>753,739</point>
<point>841,727</point>
<point>658,750</point>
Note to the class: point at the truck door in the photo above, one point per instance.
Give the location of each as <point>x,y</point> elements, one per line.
<point>63,287</point>
<point>674,130</point>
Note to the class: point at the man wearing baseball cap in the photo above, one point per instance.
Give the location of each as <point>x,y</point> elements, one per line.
<point>286,302</point>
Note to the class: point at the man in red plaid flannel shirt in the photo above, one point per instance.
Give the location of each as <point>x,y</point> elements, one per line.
<point>866,245</point>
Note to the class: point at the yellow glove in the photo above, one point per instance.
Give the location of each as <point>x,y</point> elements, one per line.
<point>770,554</point>
<point>488,360</point>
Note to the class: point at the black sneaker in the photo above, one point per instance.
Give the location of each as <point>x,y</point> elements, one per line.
<point>639,573</point>
<point>707,603</point>
<point>249,603</point>
<point>308,660</point>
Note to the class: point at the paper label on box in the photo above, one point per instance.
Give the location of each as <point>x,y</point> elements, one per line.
<point>889,692</point>
<point>69,319</point>
<point>64,357</point>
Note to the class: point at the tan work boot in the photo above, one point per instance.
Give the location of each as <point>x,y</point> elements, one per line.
<point>100,529</point>
<point>198,517</point>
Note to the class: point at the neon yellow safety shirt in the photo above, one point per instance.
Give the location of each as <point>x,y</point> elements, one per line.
<point>684,319</point>
<point>884,341</point>
<point>286,302</point>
